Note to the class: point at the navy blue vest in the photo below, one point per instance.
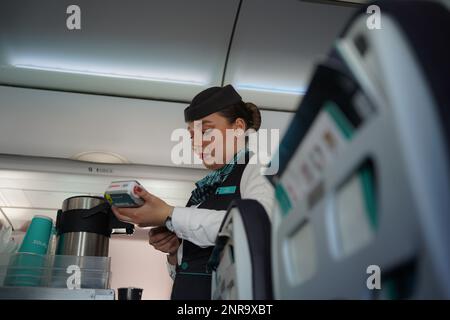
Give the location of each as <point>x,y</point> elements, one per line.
<point>193,280</point>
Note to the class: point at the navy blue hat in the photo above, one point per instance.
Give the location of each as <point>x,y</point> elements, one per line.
<point>211,100</point>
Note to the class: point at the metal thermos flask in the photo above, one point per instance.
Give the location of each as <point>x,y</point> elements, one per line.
<point>84,226</point>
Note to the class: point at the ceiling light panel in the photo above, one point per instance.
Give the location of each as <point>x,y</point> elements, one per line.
<point>161,49</point>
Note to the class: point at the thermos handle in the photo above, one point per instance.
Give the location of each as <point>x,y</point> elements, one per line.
<point>114,223</point>
<point>117,224</point>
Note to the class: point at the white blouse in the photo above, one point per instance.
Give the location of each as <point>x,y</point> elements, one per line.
<point>201,226</point>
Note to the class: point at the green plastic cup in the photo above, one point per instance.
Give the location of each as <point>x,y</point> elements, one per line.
<point>27,267</point>
<point>37,238</point>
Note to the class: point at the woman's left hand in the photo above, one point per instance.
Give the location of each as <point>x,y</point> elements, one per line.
<point>153,212</point>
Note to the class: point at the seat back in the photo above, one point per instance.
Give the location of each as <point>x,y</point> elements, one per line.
<point>241,260</point>
<point>363,206</point>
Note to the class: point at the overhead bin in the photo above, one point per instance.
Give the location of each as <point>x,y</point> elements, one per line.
<point>275,47</point>
<point>66,125</point>
<point>161,49</point>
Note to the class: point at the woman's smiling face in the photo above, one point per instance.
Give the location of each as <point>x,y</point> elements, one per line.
<point>212,143</point>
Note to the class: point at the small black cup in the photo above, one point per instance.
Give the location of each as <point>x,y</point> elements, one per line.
<point>129,293</point>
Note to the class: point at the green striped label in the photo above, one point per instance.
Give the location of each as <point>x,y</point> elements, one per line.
<point>283,199</point>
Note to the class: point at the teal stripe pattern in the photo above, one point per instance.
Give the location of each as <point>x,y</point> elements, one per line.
<point>209,184</point>
<point>366,174</point>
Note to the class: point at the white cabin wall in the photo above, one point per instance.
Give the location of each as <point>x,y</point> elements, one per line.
<point>137,264</point>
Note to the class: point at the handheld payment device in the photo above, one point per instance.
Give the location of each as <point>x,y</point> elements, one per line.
<point>122,194</point>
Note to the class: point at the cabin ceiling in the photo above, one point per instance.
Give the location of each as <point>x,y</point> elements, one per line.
<point>169,49</point>
<point>64,125</point>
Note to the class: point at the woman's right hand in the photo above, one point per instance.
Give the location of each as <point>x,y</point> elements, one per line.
<point>164,240</point>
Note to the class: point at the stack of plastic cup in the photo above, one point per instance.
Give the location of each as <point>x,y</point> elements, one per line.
<point>27,267</point>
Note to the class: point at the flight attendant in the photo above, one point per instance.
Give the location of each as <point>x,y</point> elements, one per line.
<point>188,234</point>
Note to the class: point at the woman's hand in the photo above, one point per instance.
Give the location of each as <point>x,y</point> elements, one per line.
<point>163,240</point>
<point>153,212</point>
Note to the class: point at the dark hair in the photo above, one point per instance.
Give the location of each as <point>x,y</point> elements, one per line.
<point>244,110</point>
